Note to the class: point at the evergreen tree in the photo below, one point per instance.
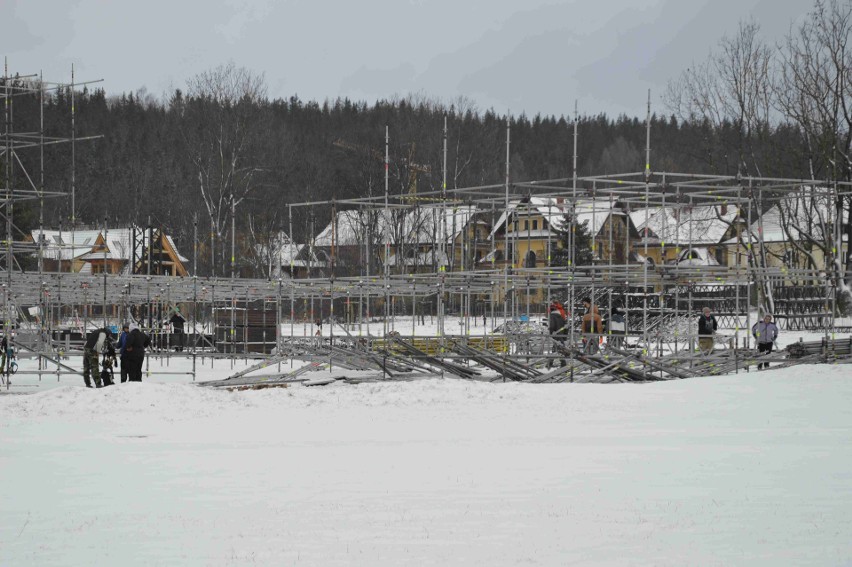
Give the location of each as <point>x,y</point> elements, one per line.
<point>582,243</point>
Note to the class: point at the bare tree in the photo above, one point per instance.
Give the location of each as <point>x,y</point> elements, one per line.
<point>222,122</point>
<point>813,90</point>
<point>733,86</point>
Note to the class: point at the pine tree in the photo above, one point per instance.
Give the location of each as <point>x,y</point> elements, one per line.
<point>582,243</point>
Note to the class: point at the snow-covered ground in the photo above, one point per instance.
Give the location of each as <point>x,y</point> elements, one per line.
<point>748,469</point>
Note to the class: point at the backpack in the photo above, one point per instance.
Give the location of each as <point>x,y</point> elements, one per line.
<point>618,322</point>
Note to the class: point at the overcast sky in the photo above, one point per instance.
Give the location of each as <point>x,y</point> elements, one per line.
<point>530,56</point>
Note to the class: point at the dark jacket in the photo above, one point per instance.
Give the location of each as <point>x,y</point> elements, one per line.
<point>707,325</point>
<point>136,343</point>
<point>556,322</point>
<point>96,339</point>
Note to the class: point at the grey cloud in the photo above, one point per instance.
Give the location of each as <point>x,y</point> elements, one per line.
<point>376,80</point>
<point>531,57</point>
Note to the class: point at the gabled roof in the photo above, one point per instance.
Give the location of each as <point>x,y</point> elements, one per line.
<point>682,225</point>
<point>118,241</point>
<point>421,225</point>
<point>801,216</point>
<point>590,211</point>
<point>58,245</point>
<point>289,253</point>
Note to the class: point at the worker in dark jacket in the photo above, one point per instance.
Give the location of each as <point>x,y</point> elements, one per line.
<point>707,327</point>
<point>765,332</point>
<point>556,325</point>
<point>122,355</point>
<point>135,352</point>
<point>6,356</point>
<point>95,341</point>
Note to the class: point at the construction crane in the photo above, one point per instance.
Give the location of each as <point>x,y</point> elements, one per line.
<point>413,168</point>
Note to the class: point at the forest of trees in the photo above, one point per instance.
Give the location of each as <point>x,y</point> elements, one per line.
<point>222,145</point>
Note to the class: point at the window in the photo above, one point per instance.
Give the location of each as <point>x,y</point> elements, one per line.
<point>529,260</point>
<point>515,226</point>
<point>526,225</point>
<point>535,225</point>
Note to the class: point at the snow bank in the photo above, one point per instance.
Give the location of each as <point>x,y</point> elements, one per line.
<point>744,469</point>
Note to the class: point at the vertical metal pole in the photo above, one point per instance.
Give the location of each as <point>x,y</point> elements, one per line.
<point>750,273</point>
<point>194,292</point>
<point>106,245</point>
<point>645,263</point>
<point>572,228</point>
<point>41,240</point>
<point>443,227</point>
<point>8,195</point>
<point>293,251</point>
<point>195,244</point>
<point>509,258</point>
<point>150,242</point>
<point>234,239</point>
<point>73,171</point>
<point>212,248</point>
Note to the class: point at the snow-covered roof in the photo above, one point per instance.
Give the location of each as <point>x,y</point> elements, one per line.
<point>683,226</point>
<point>696,257</point>
<point>118,240</point>
<point>58,245</point>
<point>805,215</point>
<point>421,225</point>
<point>289,253</point>
<point>553,210</point>
<point>420,259</point>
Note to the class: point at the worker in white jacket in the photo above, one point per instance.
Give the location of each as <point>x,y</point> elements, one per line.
<point>765,332</point>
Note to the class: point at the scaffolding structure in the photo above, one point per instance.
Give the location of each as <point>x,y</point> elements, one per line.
<point>508,294</point>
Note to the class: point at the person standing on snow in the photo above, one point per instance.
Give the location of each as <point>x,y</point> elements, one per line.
<point>707,326</point>
<point>592,324</point>
<point>556,326</point>
<point>95,341</point>
<point>135,352</point>
<point>6,356</point>
<point>764,332</point>
<point>122,355</point>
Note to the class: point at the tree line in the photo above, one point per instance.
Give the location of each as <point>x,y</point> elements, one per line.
<point>222,153</point>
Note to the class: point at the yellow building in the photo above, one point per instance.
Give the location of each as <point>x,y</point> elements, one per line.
<point>529,234</point>
<point>531,231</point>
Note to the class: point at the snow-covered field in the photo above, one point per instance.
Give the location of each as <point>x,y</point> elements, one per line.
<point>738,470</point>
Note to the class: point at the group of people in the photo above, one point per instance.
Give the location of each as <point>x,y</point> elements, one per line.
<point>765,332</point>
<point>101,354</point>
<point>592,324</point>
